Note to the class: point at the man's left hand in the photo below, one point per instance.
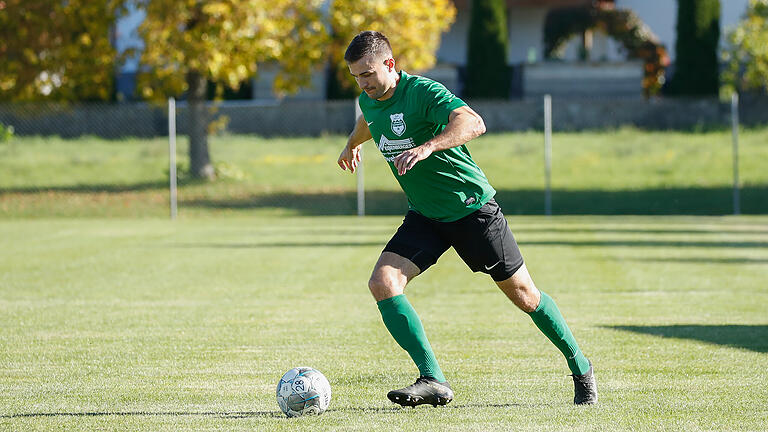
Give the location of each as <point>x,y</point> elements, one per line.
<point>407,159</point>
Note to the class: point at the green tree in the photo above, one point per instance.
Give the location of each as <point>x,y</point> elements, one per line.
<point>487,70</point>
<point>698,35</point>
<point>191,42</point>
<point>56,50</point>
<point>747,52</point>
<point>413,28</point>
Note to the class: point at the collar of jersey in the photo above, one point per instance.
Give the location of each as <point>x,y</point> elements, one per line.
<point>396,95</point>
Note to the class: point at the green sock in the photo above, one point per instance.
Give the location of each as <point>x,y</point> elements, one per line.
<point>550,321</point>
<point>405,326</point>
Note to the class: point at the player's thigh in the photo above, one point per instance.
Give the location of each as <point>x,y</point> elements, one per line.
<point>412,250</point>
<point>418,240</point>
<point>390,275</point>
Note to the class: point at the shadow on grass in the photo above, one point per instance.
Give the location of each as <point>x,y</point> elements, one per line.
<point>88,188</point>
<point>705,260</point>
<point>649,243</point>
<point>655,201</point>
<point>750,337</point>
<point>630,229</point>
<point>233,414</point>
<point>570,243</point>
<point>670,201</point>
<point>281,244</point>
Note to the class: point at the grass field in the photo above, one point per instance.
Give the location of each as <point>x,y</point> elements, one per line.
<point>114,318</point>
<point>115,324</point>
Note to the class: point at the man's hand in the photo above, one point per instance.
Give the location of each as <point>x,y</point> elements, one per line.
<point>349,158</point>
<point>407,159</point>
<point>463,125</point>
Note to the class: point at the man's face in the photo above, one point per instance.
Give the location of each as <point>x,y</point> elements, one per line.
<point>374,75</point>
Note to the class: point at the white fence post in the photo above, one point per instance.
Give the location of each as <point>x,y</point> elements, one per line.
<point>548,154</point>
<point>172,153</point>
<point>735,138</point>
<point>360,176</point>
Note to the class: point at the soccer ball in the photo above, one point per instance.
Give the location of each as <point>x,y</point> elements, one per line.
<point>303,391</point>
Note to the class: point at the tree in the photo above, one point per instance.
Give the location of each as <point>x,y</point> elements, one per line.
<point>42,47</point>
<point>747,53</point>
<point>191,42</point>
<point>413,28</point>
<point>487,70</point>
<point>698,35</point>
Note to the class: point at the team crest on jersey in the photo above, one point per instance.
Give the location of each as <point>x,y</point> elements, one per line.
<point>398,124</point>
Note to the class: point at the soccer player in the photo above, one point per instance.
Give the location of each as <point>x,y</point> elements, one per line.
<point>421,129</point>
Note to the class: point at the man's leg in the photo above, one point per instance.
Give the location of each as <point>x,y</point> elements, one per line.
<point>388,280</point>
<point>390,275</point>
<point>546,315</point>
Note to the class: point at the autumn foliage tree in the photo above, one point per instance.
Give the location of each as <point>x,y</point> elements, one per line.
<point>191,42</point>
<point>747,52</point>
<point>413,28</point>
<point>56,50</point>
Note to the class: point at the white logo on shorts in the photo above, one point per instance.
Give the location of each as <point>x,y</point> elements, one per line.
<point>497,263</point>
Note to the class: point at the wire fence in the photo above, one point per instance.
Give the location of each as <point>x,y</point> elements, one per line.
<point>313,118</point>
<point>118,120</point>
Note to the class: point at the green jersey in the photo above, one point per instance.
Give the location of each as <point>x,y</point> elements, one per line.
<point>447,185</point>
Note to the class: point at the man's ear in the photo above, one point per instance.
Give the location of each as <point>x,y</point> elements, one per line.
<point>390,64</point>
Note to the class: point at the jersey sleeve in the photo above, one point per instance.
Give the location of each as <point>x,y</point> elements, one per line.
<point>439,102</point>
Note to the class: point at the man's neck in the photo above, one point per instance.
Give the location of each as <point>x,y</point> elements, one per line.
<point>389,93</point>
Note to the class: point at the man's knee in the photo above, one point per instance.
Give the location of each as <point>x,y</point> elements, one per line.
<point>375,283</point>
<point>521,290</point>
<point>384,285</point>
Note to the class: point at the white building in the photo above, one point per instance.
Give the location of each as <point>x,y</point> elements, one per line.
<point>526,46</point>
<point>526,27</point>
<point>607,72</point>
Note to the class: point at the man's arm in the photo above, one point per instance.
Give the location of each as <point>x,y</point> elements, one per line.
<point>463,125</point>
<point>350,156</point>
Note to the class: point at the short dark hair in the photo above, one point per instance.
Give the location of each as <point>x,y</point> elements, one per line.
<point>367,43</point>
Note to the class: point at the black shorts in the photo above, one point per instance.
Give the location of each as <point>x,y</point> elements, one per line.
<point>482,239</point>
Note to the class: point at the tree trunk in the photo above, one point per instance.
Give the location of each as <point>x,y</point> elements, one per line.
<point>199,159</point>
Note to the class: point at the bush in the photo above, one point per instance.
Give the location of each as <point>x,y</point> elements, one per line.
<point>6,132</point>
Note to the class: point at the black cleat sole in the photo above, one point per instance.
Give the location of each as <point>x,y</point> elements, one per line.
<point>425,391</point>
<point>413,401</point>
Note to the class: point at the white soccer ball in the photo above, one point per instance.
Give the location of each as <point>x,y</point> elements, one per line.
<point>303,391</point>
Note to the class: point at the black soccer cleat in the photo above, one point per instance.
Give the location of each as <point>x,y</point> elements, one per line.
<point>585,388</point>
<point>426,390</point>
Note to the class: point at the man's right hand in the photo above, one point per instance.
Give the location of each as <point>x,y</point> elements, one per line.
<point>349,158</point>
